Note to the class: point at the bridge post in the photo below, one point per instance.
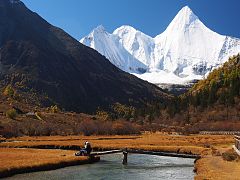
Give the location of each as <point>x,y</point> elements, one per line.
<point>237,145</point>
<point>125,154</point>
<point>237,142</point>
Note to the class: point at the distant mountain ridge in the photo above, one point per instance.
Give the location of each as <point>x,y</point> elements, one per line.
<point>45,63</point>
<point>185,51</point>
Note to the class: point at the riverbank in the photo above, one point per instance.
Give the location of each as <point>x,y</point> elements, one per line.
<point>17,161</point>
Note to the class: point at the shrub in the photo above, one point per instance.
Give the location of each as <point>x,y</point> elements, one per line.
<point>53,109</point>
<point>103,115</point>
<point>88,127</point>
<point>125,128</point>
<point>38,116</point>
<point>9,131</point>
<point>11,113</point>
<point>215,151</point>
<point>230,155</point>
<point>9,91</point>
<point>123,111</point>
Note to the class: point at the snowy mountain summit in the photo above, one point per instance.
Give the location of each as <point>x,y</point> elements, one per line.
<point>109,45</point>
<point>185,51</point>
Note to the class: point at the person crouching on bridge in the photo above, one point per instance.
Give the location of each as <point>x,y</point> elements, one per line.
<point>85,151</point>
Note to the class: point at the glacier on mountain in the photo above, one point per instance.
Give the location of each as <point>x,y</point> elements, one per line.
<point>185,51</point>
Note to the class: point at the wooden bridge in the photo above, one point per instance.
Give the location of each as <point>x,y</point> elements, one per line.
<point>237,144</point>
<point>156,153</point>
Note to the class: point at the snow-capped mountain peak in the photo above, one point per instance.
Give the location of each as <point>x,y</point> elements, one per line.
<point>186,45</point>
<point>136,43</point>
<point>99,29</point>
<point>110,46</point>
<point>185,16</point>
<point>125,29</point>
<point>184,20</point>
<point>185,51</point>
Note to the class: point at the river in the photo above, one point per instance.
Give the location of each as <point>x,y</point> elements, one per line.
<point>140,167</point>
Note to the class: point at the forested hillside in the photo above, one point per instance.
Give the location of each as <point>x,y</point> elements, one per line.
<point>213,103</point>
<point>221,86</point>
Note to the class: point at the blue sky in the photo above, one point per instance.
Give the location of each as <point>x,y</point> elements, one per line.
<point>79,17</point>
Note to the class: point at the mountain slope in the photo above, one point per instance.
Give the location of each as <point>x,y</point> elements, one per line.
<point>45,63</point>
<point>185,51</point>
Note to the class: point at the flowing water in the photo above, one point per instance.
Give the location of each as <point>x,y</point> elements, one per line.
<point>140,167</point>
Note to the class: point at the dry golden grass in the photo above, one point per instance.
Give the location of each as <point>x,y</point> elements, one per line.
<point>26,160</point>
<point>215,168</point>
<point>195,144</point>
<point>2,139</point>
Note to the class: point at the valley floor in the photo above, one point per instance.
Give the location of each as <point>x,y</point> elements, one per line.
<point>45,153</point>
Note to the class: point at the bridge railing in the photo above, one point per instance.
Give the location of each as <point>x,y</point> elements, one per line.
<point>219,132</point>
<point>237,142</point>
